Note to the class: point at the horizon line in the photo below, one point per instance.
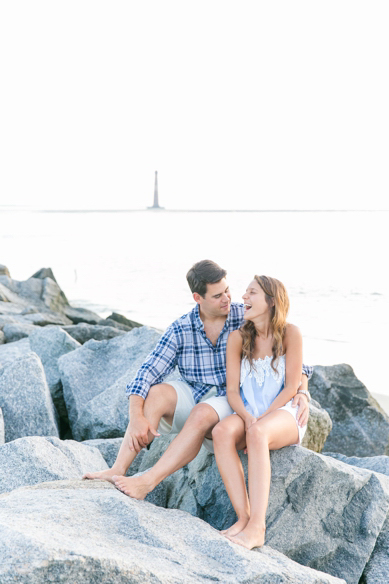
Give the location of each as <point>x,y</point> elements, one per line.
<point>164,210</point>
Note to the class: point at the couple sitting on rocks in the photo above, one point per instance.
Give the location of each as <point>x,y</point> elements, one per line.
<point>258,402</point>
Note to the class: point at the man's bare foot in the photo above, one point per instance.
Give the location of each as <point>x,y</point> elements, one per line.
<point>250,538</point>
<point>137,486</point>
<point>236,527</point>
<point>104,475</point>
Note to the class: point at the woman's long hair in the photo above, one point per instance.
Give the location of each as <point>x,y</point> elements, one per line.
<point>278,302</point>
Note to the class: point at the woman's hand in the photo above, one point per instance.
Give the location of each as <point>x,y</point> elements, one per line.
<point>249,420</point>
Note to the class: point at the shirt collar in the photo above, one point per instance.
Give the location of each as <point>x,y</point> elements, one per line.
<point>199,323</point>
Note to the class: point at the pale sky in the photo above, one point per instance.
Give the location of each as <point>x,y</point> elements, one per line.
<point>238,105</point>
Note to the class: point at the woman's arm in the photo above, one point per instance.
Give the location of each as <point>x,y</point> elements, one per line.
<point>293,344</point>
<point>234,350</point>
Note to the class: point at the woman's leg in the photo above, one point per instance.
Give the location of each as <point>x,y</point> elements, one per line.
<point>272,432</point>
<point>228,436</point>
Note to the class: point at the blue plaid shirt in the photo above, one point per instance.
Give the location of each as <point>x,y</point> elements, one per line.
<point>201,364</point>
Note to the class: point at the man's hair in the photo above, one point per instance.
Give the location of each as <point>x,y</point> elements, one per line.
<point>203,273</point>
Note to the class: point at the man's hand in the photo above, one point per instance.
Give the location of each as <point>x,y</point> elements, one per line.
<point>140,428</point>
<point>301,401</point>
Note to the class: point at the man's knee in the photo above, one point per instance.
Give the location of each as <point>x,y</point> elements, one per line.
<point>203,417</point>
<point>163,397</point>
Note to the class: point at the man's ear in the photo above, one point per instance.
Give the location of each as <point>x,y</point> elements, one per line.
<point>197,297</point>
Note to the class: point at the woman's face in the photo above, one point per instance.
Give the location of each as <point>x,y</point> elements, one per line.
<point>255,304</point>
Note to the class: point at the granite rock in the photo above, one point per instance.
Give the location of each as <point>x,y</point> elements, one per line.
<point>96,366</point>
<point>12,351</point>
<point>50,343</point>
<point>124,320</point>
<point>2,431</point>
<point>2,338</point>
<point>322,513</point>
<point>4,271</point>
<point>17,331</point>
<point>84,332</point>
<point>25,399</point>
<point>92,533</point>
<point>353,411</point>
<point>319,427</point>
<point>77,315</point>
<point>36,459</point>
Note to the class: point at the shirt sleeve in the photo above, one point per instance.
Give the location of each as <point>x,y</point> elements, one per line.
<point>161,361</point>
<point>307,370</point>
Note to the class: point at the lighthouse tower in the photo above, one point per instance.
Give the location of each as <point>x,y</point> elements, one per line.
<point>156,203</point>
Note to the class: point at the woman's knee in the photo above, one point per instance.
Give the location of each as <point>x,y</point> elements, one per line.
<point>257,432</point>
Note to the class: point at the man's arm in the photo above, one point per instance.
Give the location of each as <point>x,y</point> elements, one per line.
<point>161,361</point>
<point>302,398</point>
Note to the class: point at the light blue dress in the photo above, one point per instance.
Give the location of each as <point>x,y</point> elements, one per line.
<point>260,385</point>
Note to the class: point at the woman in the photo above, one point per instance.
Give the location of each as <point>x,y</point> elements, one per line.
<point>264,360</point>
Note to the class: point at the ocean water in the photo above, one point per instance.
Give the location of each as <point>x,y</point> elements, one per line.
<point>332,263</point>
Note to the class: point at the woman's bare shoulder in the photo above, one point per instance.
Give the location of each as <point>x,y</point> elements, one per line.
<point>235,338</point>
<point>292,332</point>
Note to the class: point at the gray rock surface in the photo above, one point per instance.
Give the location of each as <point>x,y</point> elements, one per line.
<point>322,513</point>
<point>353,411</point>
<point>25,399</point>
<point>4,271</point>
<point>15,332</point>
<point>96,366</point>
<point>375,463</point>
<point>77,315</point>
<point>109,449</point>
<point>45,318</point>
<point>84,332</point>
<point>36,459</point>
<point>319,427</point>
<point>2,431</point>
<point>50,343</point>
<point>124,320</point>
<point>2,338</point>
<point>92,533</point>
<point>12,351</point>
<point>377,568</point>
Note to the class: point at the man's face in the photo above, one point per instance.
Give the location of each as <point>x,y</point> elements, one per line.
<point>217,300</point>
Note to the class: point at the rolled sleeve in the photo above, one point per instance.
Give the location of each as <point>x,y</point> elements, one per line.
<point>161,361</point>
<point>308,371</point>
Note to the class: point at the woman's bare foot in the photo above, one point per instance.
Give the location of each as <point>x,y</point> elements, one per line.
<point>104,475</point>
<point>250,537</point>
<point>136,487</point>
<point>236,527</point>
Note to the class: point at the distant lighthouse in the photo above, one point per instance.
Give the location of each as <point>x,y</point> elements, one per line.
<point>156,203</point>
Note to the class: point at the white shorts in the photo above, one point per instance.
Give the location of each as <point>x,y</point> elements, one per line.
<point>186,403</point>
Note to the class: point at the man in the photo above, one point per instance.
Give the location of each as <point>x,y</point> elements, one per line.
<point>191,407</point>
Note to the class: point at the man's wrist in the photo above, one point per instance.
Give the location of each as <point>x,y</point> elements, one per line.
<point>306,393</point>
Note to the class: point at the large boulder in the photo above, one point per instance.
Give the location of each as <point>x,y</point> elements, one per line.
<point>2,432</point>
<point>12,351</point>
<point>84,332</point>
<point>2,338</point>
<point>96,366</point>
<point>25,399</point>
<point>35,459</point>
<point>319,427</point>
<point>16,331</point>
<point>77,315</point>
<point>322,513</point>
<point>4,270</point>
<point>50,343</point>
<point>353,411</point>
<point>93,533</point>
<point>377,568</point>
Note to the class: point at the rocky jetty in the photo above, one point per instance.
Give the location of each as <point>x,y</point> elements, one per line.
<point>63,412</point>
